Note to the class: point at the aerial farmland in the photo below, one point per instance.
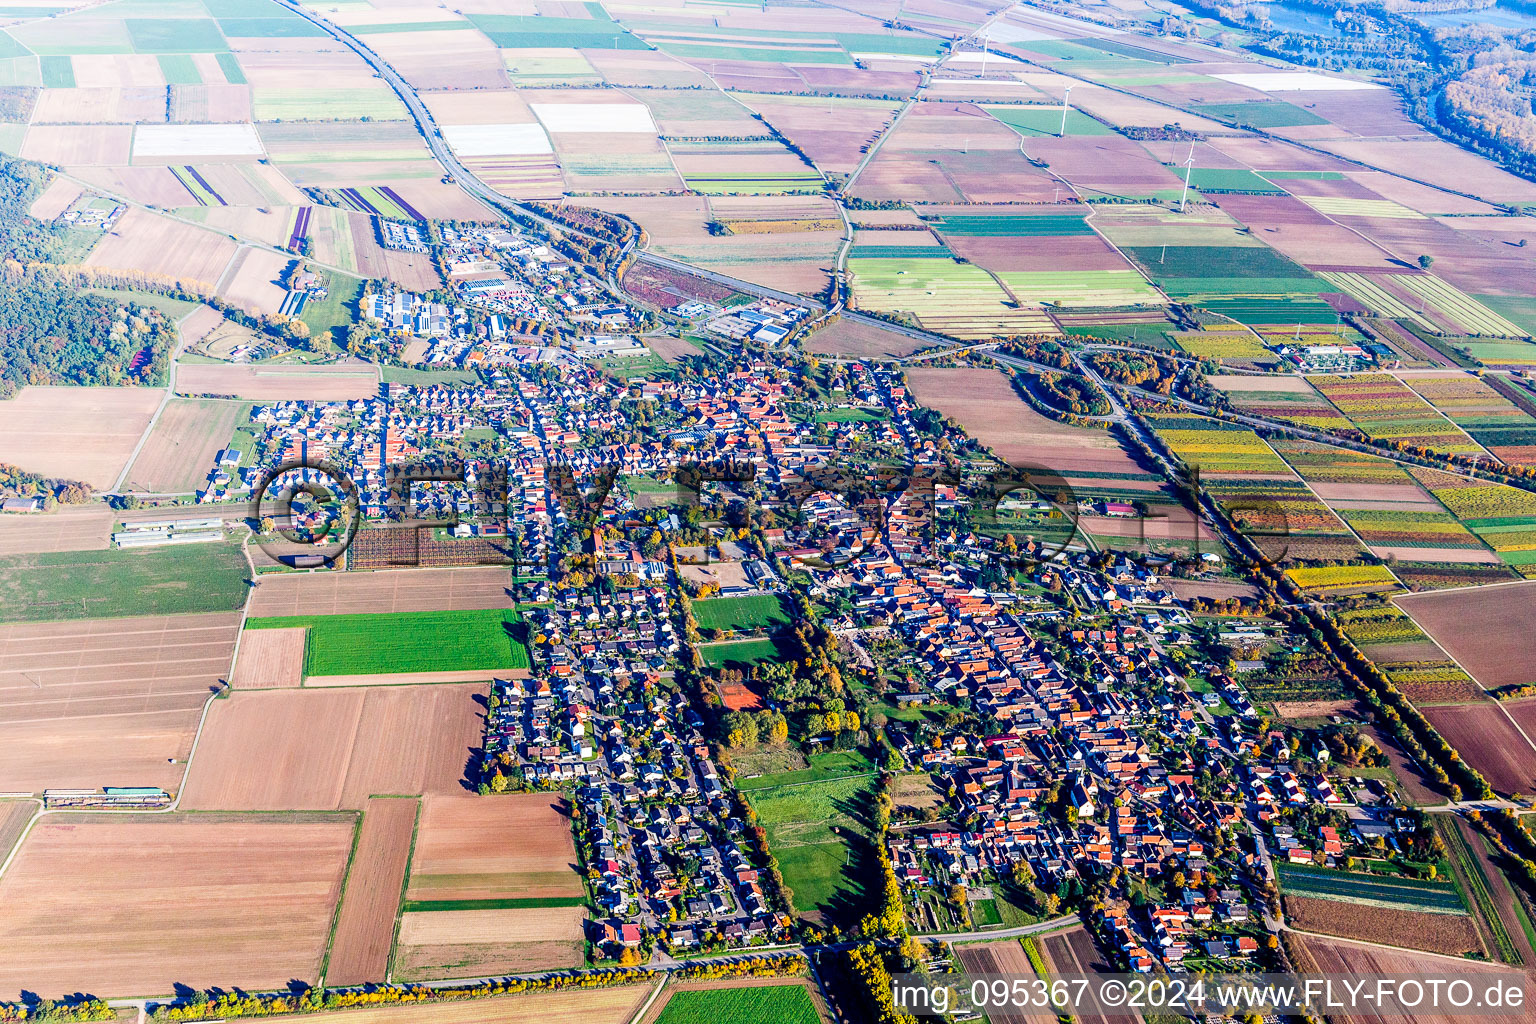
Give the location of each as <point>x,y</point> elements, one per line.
<point>687,510</point>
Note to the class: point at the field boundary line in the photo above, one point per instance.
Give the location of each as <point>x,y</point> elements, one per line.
<point>341,896</point>
<point>1383,945</point>
<point>1496,702</point>
<point>639,1014</point>
<point>15,850</point>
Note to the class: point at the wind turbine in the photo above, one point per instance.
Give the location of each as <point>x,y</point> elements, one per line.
<point>1066,105</point>
<point>1189,168</point>
<point>986,39</point>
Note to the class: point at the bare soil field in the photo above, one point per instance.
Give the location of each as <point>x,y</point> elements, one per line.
<point>485,848</point>
<point>183,447</point>
<point>253,281</point>
<point>174,900</point>
<point>153,186</point>
<point>143,242</point>
<point>1219,590</point>
<point>1340,956</point>
<point>365,926</point>
<point>71,145</point>
<point>55,199</point>
<point>1450,934</point>
<point>1299,709</point>
<point>75,433</point>
<point>1416,785</point>
<point>338,383</point>
<point>443,60</point>
<point>1487,630</point>
<point>1489,743</point>
<point>1073,952</point>
<point>14,816</point>
<point>1004,957</point>
<point>411,271</point>
<point>77,528</point>
<point>985,404</point>
<point>917,791</point>
<point>471,943</point>
<point>386,590</point>
<point>95,702</point>
<point>127,749</point>
<point>1173,523</point>
<point>862,340</point>
<point>270,659</point>
<point>334,748</point>
<point>101,105</point>
<point>86,667</point>
<point>587,1005</point>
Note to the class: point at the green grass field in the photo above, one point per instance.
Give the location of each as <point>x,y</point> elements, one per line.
<point>58,72</point>
<point>1259,113</point>
<point>1081,288</point>
<point>345,645</point>
<point>337,310</point>
<point>404,375</point>
<point>1436,897</point>
<point>175,35</point>
<point>926,286</point>
<point>743,653</point>
<point>107,584</point>
<point>1033,122</point>
<point>270,28</point>
<point>1214,261</point>
<point>819,864</point>
<point>178,69</point>
<point>832,764</point>
<point>525,32</point>
<point>1031,225</point>
<point>787,1003</point>
<point>233,73</point>
<point>756,612</point>
<point>320,104</point>
<point>1231,179</point>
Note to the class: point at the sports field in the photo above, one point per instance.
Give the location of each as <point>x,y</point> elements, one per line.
<point>352,645</point>
<point>756,612</point>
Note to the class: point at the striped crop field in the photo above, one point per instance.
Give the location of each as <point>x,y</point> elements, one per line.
<point>1425,896</point>
<point>1491,419</point>
<point>1338,206</point>
<point>1473,316</point>
<point>1385,409</point>
<point>1218,447</point>
<point>1370,291</point>
<point>1327,580</point>
<point>1080,287</point>
<point>1025,225</point>
<point>957,299</point>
